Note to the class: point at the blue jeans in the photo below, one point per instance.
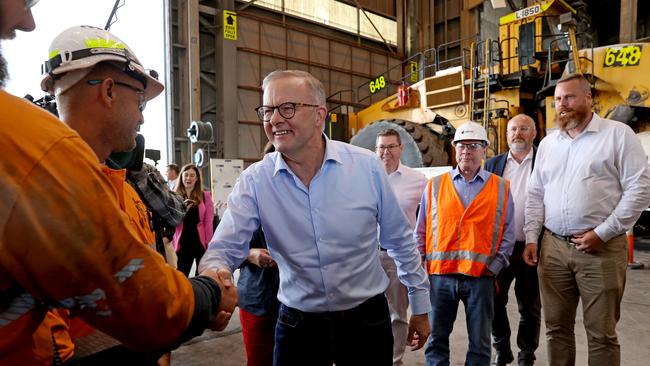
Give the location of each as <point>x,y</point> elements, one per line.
<point>477,294</point>
<point>359,336</point>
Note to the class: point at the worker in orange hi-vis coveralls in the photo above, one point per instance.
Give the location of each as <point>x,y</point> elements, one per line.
<point>78,85</point>
<point>66,244</point>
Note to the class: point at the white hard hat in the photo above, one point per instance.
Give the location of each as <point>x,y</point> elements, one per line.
<point>470,131</point>
<point>82,47</point>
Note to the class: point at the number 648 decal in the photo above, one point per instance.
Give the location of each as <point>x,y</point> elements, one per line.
<point>623,56</point>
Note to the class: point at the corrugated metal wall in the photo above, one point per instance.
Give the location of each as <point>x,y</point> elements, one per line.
<point>226,88</point>
<point>382,7</point>
<point>265,45</point>
<point>267,41</point>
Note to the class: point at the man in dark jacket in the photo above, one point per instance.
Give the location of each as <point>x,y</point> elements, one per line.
<point>516,166</point>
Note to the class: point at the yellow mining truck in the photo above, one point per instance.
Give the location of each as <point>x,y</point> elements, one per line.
<point>497,79</point>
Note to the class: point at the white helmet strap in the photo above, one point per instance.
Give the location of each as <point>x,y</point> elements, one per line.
<point>66,57</point>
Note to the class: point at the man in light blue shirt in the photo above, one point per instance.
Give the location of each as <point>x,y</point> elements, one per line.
<point>319,203</point>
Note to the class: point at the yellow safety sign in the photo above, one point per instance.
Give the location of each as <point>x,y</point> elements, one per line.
<point>230,25</point>
<point>414,71</point>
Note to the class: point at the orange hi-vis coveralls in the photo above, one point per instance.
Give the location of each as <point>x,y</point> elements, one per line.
<point>139,218</point>
<point>463,240</point>
<point>66,243</point>
<point>57,323</point>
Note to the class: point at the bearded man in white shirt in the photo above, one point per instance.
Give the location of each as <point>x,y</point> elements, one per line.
<point>408,185</point>
<point>589,185</point>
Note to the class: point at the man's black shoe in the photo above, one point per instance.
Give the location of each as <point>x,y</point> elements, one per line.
<point>502,360</point>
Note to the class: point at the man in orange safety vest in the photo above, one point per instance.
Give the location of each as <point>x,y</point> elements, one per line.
<point>466,226</point>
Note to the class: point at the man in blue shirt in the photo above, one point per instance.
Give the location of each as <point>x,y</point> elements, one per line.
<point>320,203</point>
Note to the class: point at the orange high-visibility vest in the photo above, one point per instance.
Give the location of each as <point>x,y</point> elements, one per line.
<point>459,239</point>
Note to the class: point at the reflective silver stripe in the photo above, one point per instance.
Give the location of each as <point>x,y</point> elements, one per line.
<point>499,214</point>
<point>19,305</point>
<point>82,302</point>
<point>459,255</point>
<point>434,214</point>
<point>128,270</point>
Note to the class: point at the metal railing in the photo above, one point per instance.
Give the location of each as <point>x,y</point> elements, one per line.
<point>386,75</point>
<point>460,60</point>
<point>429,63</point>
<point>548,76</point>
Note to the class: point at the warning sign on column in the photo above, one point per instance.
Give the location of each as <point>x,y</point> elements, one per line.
<point>230,25</point>
<point>414,71</point>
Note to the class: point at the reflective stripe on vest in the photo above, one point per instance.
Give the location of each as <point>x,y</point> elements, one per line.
<point>456,237</point>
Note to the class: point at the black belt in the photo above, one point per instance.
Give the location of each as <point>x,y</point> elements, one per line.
<point>567,239</point>
<point>382,249</point>
<point>376,301</point>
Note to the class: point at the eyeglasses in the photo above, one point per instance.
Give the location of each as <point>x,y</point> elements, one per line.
<point>520,129</point>
<point>30,3</point>
<point>471,146</point>
<point>142,101</point>
<point>390,148</point>
<point>287,110</point>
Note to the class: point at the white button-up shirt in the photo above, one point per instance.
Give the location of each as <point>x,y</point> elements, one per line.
<point>518,175</point>
<point>598,180</point>
<point>408,185</point>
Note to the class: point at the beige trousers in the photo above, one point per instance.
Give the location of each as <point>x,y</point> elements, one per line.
<point>398,303</point>
<point>567,276</point>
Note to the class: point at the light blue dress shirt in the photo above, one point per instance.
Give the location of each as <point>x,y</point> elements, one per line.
<point>323,237</point>
<point>467,191</point>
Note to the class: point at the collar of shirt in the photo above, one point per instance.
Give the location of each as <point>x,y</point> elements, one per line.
<point>529,156</point>
<point>482,175</point>
<point>330,154</point>
<point>593,126</point>
<point>399,170</point>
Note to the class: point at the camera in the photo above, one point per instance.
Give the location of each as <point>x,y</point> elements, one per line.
<point>48,103</point>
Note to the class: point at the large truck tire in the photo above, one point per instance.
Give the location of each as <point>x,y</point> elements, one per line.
<point>422,146</point>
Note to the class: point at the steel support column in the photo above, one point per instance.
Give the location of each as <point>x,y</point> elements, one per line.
<point>627,32</point>
<point>226,66</point>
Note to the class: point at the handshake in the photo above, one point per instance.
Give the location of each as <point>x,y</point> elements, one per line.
<point>228,301</point>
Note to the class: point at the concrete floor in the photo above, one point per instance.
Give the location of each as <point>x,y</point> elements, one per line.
<point>226,348</point>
